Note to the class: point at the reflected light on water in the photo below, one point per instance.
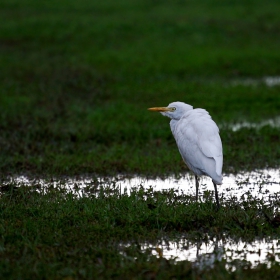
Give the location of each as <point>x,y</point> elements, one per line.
<point>269,81</point>
<point>261,184</point>
<point>204,255</point>
<point>275,122</point>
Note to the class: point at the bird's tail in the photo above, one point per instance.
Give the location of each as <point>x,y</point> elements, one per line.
<point>218,180</point>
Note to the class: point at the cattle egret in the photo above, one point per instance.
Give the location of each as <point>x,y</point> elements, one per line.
<point>198,140</point>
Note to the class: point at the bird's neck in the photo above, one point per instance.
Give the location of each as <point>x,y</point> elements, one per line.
<point>173,123</point>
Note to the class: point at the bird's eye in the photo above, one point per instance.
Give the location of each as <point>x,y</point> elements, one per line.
<point>173,109</point>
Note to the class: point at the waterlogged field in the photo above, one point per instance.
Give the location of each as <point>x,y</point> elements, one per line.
<point>92,184</point>
<point>95,228</point>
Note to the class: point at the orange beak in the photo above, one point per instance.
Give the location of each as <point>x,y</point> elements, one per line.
<point>160,109</point>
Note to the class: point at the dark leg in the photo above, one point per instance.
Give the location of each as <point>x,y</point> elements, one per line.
<point>196,185</point>
<point>217,196</point>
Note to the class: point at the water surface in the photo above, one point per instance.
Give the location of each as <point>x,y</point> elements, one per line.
<point>263,185</point>
<point>205,254</point>
<point>273,122</point>
<point>269,81</point>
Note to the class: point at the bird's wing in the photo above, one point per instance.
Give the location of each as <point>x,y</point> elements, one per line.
<point>197,137</point>
<point>210,143</point>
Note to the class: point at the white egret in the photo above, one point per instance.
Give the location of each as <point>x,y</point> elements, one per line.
<point>198,140</point>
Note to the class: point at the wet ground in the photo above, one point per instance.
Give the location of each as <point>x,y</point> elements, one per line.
<point>275,122</point>
<point>205,254</point>
<point>260,184</point>
<point>270,81</point>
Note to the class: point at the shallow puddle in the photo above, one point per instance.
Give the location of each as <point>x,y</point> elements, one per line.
<point>261,184</point>
<point>274,122</point>
<point>270,81</point>
<point>205,255</point>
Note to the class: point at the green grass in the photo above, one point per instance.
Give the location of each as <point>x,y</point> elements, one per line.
<point>77,78</point>
<point>54,235</point>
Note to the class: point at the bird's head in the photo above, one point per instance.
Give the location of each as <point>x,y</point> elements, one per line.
<point>174,110</point>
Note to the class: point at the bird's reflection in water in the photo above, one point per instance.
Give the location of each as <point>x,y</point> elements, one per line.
<point>261,184</point>
<point>207,254</point>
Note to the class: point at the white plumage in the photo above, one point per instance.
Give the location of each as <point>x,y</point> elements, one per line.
<point>198,140</point>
